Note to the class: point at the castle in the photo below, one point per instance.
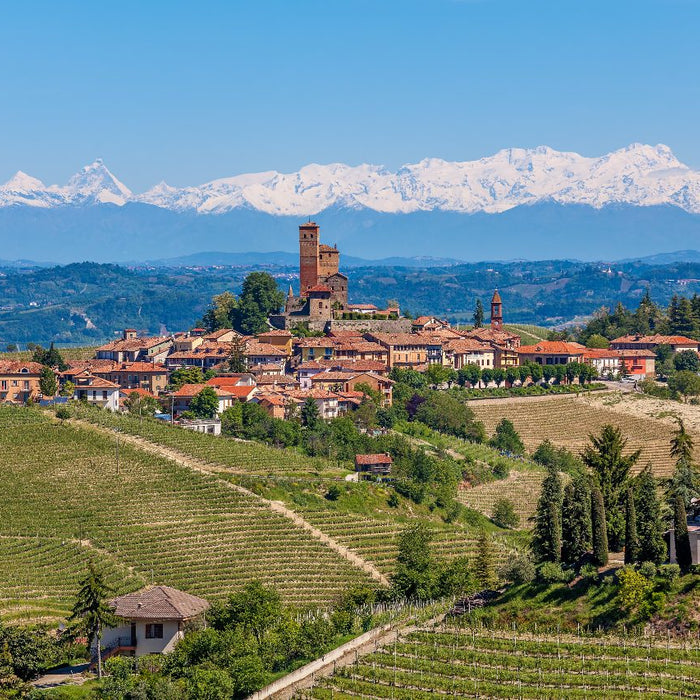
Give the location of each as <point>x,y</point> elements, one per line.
<point>318,266</point>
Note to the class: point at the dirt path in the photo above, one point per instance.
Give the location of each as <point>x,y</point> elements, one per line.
<point>277,506</point>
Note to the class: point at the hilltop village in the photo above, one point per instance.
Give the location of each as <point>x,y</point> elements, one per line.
<point>350,348</point>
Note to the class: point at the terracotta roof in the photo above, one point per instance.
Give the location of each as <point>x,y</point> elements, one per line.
<point>227,380</point>
<point>215,335</point>
<point>16,367</point>
<point>490,334</point>
<point>141,392</point>
<point>496,298</point>
<point>371,307</point>
<point>143,367</point>
<point>253,347</point>
<point>327,248</point>
<point>316,342</point>
<point>552,347</point>
<point>345,334</point>
<point>374,459</point>
<point>657,339</point>
<point>348,364</point>
<point>312,364</point>
<point>189,390</point>
<point>132,344</point>
<point>319,288</point>
<point>86,380</point>
<point>94,365</point>
<point>592,353</point>
<point>465,345</point>
<point>275,334</point>
<point>399,338</point>
<point>158,603</point>
<point>331,377</point>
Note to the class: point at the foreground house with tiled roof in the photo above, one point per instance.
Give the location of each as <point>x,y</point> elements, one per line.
<point>639,364</point>
<point>650,342</point>
<point>152,621</point>
<point>132,348</point>
<point>551,352</point>
<point>96,391</point>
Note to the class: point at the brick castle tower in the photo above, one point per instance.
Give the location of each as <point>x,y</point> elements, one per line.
<point>308,256</point>
<point>496,311</point>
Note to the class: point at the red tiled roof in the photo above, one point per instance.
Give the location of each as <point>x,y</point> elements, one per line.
<point>132,344</point>
<point>143,367</point>
<point>552,347</point>
<point>657,339</point>
<point>189,390</point>
<point>319,288</point>
<point>140,392</point>
<point>466,345</point>
<point>399,339</point>
<point>253,347</point>
<point>496,298</point>
<point>16,367</point>
<point>275,334</point>
<point>374,459</point>
<point>227,380</point>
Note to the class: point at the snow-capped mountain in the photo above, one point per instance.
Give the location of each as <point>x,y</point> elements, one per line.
<point>638,175</point>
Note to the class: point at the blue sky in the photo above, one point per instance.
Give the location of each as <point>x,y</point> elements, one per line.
<point>188,92</point>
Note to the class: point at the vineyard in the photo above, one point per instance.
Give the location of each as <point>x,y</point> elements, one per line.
<point>529,334</point>
<point>484,663</point>
<point>568,422</point>
<point>67,500</point>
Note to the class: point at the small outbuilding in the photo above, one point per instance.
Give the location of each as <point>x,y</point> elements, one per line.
<point>153,621</point>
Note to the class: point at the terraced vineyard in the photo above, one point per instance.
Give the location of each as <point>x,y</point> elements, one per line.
<point>522,488</point>
<point>238,455</point>
<point>529,334</point>
<point>376,540</point>
<point>145,518</point>
<point>477,663</point>
<point>568,422</point>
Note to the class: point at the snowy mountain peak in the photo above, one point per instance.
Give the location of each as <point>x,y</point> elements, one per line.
<point>638,175</point>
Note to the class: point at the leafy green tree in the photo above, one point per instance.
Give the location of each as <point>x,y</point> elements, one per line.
<point>680,532</point>
<point>256,608</point>
<point>310,416</point>
<point>649,525</point>
<point>685,481</point>
<point>484,562</point>
<point>536,372</point>
<point>51,357</point>
<point>439,374</point>
<point>512,375</point>
<point>478,316</point>
<point>686,360</point>
<point>237,361</point>
<point>685,383</point>
<point>469,374</point>
<point>68,389</point>
<point>631,538</point>
<point>186,375</point>
<point>504,514</point>
<point>498,375</point>
<point>205,404</point>
<point>576,520</point>
<point>414,571</point>
<point>599,528</point>
<point>456,578</point>
<point>220,312</point>
<point>611,469</point>
<point>597,341</point>
<point>547,532</point>
<point>506,438</point>
<point>139,405</point>
<point>634,588</point>
<point>92,612</point>
<point>47,382</point>
<point>260,297</point>
<point>446,414</point>
<point>486,376</point>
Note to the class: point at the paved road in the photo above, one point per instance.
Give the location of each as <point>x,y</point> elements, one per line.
<point>59,676</point>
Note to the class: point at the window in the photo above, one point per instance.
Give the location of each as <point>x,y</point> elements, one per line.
<point>26,385</point>
<point>4,384</point>
<point>154,631</point>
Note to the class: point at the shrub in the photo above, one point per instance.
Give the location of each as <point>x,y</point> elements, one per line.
<point>647,569</point>
<point>333,493</point>
<point>500,469</point>
<point>669,573</point>
<point>62,413</point>
<point>518,570</point>
<point>550,572</point>
<point>588,572</point>
<point>504,514</point>
<point>393,501</point>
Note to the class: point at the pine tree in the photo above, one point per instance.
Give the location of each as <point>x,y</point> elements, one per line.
<point>685,481</point>
<point>576,520</point>
<point>310,415</point>
<point>546,536</point>
<point>680,527</point>
<point>599,527</point>
<point>631,539</point>
<point>92,611</point>
<point>47,382</point>
<point>478,314</point>
<point>611,470</point>
<point>649,526</point>
<point>483,565</point>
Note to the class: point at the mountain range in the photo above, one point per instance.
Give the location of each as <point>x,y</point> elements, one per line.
<point>639,200</point>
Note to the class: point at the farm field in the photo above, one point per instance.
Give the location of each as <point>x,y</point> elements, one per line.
<point>77,353</point>
<point>503,664</point>
<point>568,421</point>
<point>145,520</point>
<point>521,488</point>
<point>529,334</point>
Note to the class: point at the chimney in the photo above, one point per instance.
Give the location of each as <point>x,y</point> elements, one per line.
<point>129,333</point>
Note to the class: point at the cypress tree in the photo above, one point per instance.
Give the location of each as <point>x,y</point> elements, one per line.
<point>649,527</point>
<point>546,536</point>
<point>680,525</point>
<point>483,566</point>
<point>600,530</point>
<point>631,539</point>
<point>576,520</point>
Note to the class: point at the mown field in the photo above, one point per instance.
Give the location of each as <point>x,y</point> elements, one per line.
<point>481,663</point>
<point>66,501</point>
<point>568,422</point>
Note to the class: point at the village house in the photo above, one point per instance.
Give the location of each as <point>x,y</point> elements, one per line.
<point>639,364</point>
<point>96,391</point>
<point>152,621</point>
<point>182,398</point>
<point>223,335</point>
<point>19,381</point>
<point>206,356</point>
<point>132,348</point>
<point>552,352</point>
<point>466,351</point>
<point>272,358</point>
<point>241,386</point>
<point>280,339</point>
<point>374,465</point>
<point>150,376</point>
<point>428,323</point>
<point>650,342</point>
<point>342,381</point>
<point>405,350</point>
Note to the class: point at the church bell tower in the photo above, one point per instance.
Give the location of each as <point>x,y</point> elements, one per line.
<point>308,256</point>
<point>496,311</point>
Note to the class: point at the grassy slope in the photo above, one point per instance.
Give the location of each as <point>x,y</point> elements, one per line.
<point>79,353</point>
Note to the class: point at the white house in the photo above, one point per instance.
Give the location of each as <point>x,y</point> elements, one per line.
<point>153,621</point>
<point>96,391</point>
